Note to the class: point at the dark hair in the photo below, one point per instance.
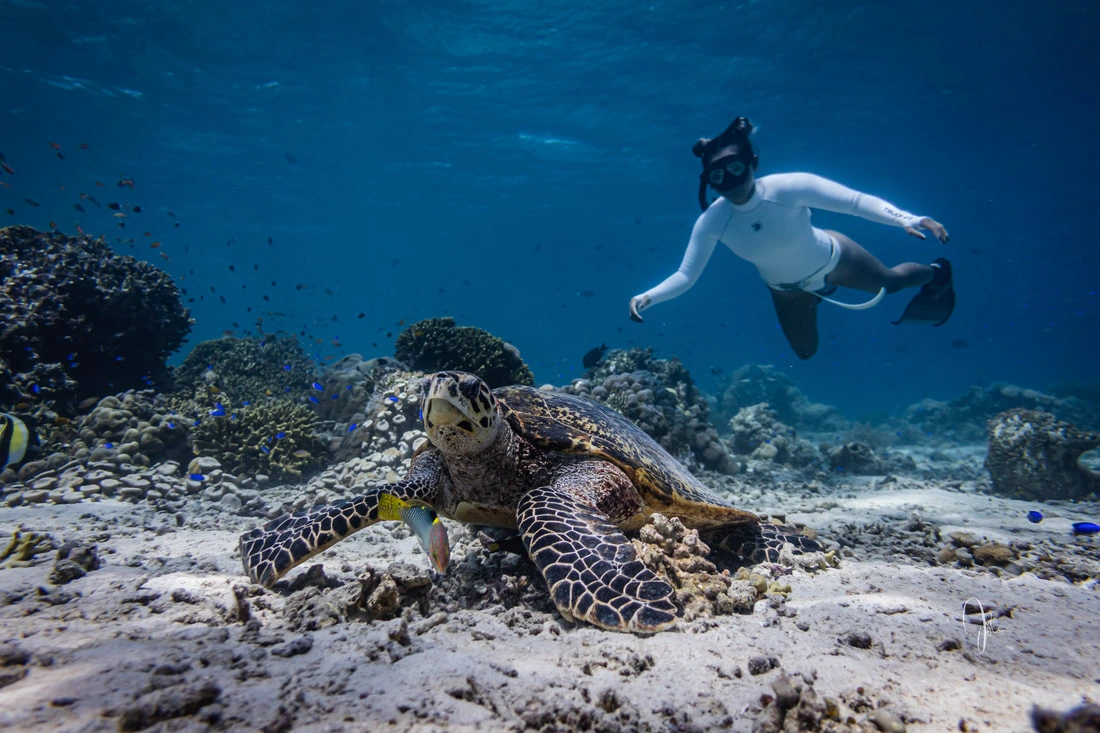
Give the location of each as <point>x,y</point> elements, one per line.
<point>737,133</point>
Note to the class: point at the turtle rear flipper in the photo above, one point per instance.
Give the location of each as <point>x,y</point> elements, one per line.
<point>757,542</point>
<point>590,566</point>
<point>269,552</point>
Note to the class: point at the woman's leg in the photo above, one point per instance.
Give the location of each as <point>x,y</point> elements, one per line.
<point>797,311</point>
<point>861,270</point>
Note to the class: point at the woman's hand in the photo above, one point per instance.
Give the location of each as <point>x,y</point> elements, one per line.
<point>637,304</point>
<point>931,225</point>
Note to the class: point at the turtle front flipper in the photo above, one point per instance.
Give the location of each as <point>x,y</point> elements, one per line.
<point>269,552</point>
<point>590,566</point>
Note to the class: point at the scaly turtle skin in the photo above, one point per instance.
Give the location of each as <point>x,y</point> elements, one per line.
<point>569,473</point>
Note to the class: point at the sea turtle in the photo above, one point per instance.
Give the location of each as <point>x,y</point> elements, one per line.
<point>569,473</point>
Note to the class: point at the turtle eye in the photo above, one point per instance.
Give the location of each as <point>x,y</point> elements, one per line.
<point>466,425</point>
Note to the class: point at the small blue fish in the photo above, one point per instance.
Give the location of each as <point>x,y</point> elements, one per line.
<point>171,426</point>
<point>352,427</point>
<point>336,397</point>
<point>287,367</point>
<point>1085,528</point>
<point>265,449</point>
<point>35,388</point>
<point>313,399</point>
<point>245,403</point>
<point>317,386</point>
<point>108,445</point>
<point>196,477</point>
<point>218,411</point>
<point>392,398</point>
<point>1034,517</point>
<point>280,436</point>
<point>196,423</point>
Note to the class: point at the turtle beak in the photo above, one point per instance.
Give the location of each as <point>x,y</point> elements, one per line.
<point>442,412</point>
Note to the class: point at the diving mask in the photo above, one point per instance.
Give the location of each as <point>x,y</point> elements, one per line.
<point>726,174</point>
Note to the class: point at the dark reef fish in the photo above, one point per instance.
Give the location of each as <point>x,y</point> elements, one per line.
<point>593,357</point>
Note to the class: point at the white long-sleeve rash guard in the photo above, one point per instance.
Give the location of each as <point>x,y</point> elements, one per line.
<point>773,231</point>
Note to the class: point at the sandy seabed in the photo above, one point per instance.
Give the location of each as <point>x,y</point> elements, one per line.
<point>168,635</point>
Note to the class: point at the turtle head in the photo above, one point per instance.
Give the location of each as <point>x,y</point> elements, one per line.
<point>460,413</point>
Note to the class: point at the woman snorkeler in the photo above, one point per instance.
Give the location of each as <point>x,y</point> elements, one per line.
<point>767,222</point>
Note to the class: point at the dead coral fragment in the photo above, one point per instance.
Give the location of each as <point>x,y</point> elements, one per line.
<point>383,595</point>
<point>23,547</point>
<point>674,552</point>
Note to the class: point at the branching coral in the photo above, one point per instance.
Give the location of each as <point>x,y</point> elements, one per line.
<point>276,438</point>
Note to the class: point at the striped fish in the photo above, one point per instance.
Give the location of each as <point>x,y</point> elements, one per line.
<point>15,440</point>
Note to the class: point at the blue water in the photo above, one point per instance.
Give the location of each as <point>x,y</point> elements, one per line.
<point>494,161</point>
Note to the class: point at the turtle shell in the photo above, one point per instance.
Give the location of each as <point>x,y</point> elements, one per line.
<point>557,421</point>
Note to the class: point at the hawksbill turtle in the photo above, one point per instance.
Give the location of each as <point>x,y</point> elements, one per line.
<point>569,473</point>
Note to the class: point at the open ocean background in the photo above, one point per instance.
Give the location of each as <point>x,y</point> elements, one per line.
<point>526,168</point>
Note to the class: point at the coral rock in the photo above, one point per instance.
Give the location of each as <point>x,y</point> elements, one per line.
<point>1033,455</point>
<point>437,344</point>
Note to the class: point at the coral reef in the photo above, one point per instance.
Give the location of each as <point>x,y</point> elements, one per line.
<point>134,428</point>
<point>104,321</point>
<point>753,384</point>
<point>757,433</point>
<point>1034,455</point>
<point>659,396</point>
<point>249,370</point>
<point>276,438</point>
<point>353,380</point>
<point>388,426</point>
<point>436,344</point>
<point>964,418</point>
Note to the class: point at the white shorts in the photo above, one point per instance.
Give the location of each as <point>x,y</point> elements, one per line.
<point>815,281</point>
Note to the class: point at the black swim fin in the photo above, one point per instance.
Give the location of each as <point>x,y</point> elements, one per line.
<point>936,300</point>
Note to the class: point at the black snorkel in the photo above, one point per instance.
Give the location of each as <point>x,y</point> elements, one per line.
<point>717,171</point>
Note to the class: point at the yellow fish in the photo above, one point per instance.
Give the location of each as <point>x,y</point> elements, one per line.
<point>424,523</point>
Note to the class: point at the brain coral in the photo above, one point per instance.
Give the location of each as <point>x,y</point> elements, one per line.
<point>436,344</point>
<point>110,321</point>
